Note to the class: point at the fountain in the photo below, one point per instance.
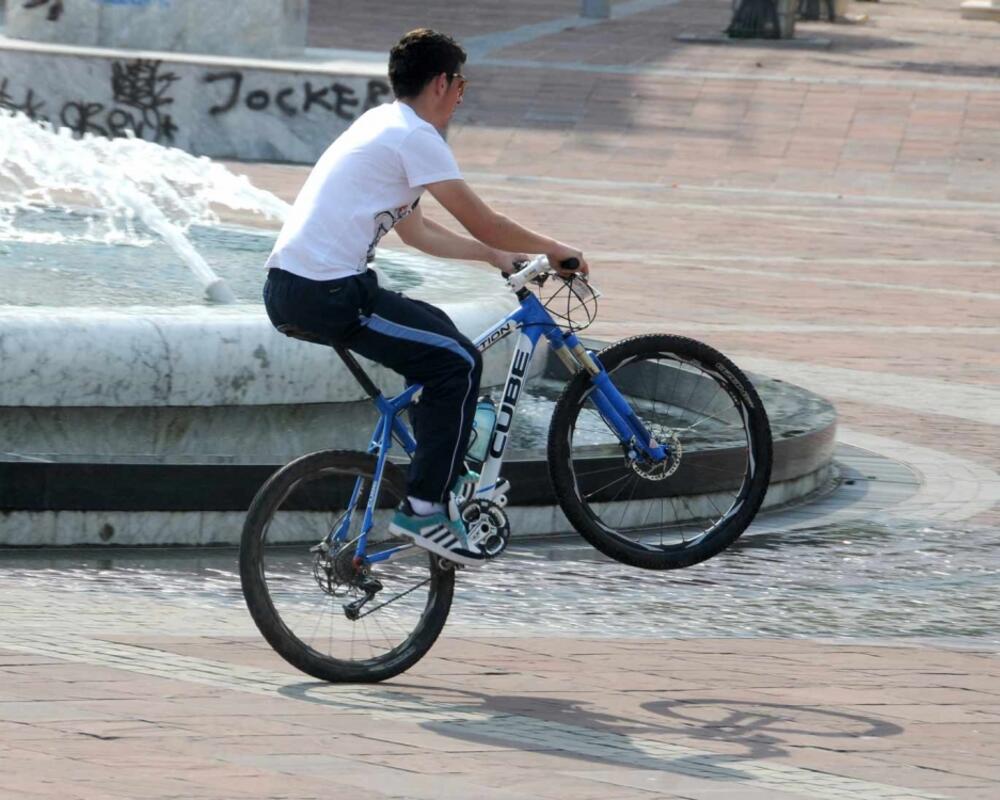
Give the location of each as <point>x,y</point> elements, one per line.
<point>132,413</point>
<point>111,367</point>
<point>110,363</point>
<point>125,180</point>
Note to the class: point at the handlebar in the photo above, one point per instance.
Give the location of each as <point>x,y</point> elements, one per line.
<point>537,270</point>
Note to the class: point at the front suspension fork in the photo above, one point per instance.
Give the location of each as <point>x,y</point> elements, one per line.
<point>613,407</point>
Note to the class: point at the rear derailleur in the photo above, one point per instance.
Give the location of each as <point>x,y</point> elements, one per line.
<point>342,571</point>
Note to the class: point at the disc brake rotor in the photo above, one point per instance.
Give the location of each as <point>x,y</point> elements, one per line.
<point>335,573</point>
<point>664,469</point>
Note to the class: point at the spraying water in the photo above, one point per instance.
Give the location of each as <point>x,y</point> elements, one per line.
<point>119,181</point>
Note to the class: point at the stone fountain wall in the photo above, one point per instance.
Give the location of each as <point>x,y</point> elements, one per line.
<point>242,109</point>
<point>189,384</point>
<point>258,28</point>
<point>219,79</point>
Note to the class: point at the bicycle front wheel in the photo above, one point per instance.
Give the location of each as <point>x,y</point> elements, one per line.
<point>303,592</point>
<point>682,511</point>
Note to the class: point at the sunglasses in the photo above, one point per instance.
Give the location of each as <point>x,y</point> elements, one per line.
<point>464,81</point>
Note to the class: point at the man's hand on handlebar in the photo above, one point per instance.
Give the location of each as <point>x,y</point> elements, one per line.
<point>564,253</point>
<point>508,263</point>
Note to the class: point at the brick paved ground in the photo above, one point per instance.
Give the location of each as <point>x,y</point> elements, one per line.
<point>830,215</point>
<point>211,717</point>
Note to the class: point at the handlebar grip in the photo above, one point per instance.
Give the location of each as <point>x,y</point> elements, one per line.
<point>570,264</point>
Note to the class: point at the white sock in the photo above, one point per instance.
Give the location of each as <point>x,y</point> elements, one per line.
<point>424,508</point>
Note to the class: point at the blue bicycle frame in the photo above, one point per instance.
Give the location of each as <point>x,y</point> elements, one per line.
<point>533,321</point>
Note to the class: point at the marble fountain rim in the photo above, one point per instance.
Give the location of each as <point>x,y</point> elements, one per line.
<point>184,356</point>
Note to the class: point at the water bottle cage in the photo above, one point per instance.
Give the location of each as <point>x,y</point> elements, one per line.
<point>482,430</point>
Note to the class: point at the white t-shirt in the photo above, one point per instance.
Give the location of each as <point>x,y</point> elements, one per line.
<point>371,177</point>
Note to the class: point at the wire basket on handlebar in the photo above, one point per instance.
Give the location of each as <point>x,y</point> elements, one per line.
<point>572,300</point>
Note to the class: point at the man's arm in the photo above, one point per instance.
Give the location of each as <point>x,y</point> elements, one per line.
<point>495,229</point>
<point>436,240</point>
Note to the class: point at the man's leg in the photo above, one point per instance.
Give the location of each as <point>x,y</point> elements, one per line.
<point>421,343</point>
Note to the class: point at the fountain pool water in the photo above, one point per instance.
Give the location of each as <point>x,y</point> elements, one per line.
<point>55,259</point>
<point>113,222</point>
<point>121,181</point>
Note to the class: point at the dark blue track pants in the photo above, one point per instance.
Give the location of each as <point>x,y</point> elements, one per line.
<point>411,337</point>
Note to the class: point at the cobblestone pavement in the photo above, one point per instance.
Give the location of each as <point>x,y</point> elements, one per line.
<point>828,215</point>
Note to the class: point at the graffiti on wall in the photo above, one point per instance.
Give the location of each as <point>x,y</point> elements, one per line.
<point>55,7</point>
<point>141,88</point>
<point>138,104</point>
<point>29,105</point>
<point>141,100</point>
<point>337,98</point>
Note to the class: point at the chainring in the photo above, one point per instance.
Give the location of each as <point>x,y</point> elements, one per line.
<point>488,526</point>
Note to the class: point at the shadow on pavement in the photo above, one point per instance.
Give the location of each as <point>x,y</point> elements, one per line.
<point>748,730</point>
<point>763,728</point>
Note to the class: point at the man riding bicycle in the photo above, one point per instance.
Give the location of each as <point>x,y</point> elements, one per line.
<point>319,285</point>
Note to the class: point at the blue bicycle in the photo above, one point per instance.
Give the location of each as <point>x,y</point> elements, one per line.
<point>659,454</point>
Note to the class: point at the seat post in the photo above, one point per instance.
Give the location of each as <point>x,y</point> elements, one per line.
<point>357,371</point>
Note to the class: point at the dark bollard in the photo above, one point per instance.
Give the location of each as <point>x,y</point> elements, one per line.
<point>763,19</point>
<point>810,9</point>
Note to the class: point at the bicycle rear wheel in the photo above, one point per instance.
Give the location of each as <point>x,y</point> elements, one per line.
<point>675,514</point>
<point>297,590</point>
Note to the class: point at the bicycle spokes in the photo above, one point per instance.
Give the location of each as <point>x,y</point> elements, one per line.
<point>353,614</point>
<point>683,495</point>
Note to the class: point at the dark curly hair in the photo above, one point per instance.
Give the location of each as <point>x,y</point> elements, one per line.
<point>419,57</point>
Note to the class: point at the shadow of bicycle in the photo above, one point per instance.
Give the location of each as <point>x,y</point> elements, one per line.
<point>663,735</point>
<point>763,729</point>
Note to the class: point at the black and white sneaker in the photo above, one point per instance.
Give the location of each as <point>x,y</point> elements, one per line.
<point>437,533</point>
